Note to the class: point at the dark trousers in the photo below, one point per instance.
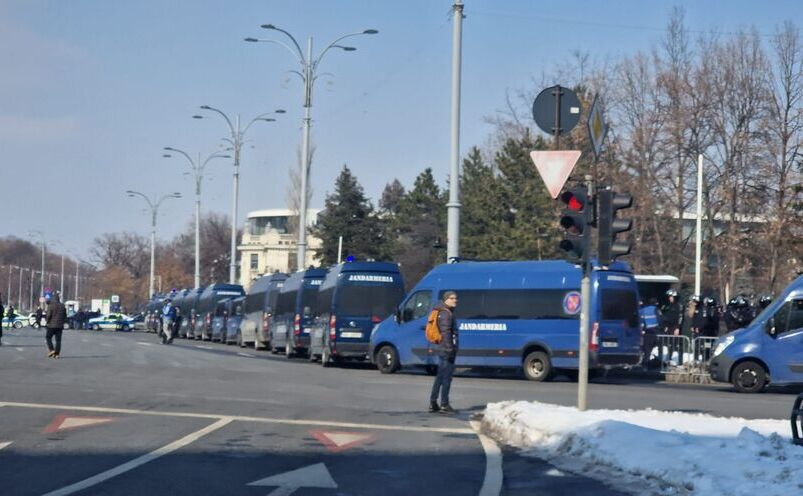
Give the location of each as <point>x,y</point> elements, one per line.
<point>443,381</point>
<point>49,337</point>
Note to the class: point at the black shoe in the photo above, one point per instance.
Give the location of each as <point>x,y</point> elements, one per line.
<point>433,407</point>
<point>447,410</point>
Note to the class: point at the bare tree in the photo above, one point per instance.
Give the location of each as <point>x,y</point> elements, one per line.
<point>293,195</point>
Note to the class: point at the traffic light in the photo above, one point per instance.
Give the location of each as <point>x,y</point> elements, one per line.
<point>609,203</point>
<point>576,219</point>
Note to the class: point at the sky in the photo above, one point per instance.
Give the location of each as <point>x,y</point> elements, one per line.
<point>92,90</point>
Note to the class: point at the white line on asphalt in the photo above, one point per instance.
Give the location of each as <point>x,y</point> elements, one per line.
<point>107,345</point>
<point>136,462</point>
<point>203,347</point>
<point>20,349</point>
<point>144,343</point>
<point>492,484</point>
<point>245,354</point>
<point>5,444</point>
<point>264,420</point>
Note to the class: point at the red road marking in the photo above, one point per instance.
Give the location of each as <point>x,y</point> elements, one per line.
<point>65,422</point>
<point>336,441</point>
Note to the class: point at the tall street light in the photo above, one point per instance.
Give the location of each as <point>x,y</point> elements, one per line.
<point>308,74</point>
<point>236,142</point>
<point>32,233</point>
<point>61,283</point>
<point>154,206</point>
<point>198,168</point>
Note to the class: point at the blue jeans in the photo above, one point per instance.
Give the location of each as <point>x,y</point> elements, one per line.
<point>443,381</point>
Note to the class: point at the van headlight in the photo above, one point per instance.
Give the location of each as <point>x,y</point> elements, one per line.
<point>723,343</point>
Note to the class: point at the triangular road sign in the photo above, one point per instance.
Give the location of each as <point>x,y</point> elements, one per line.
<point>311,476</point>
<point>341,441</point>
<point>65,422</point>
<point>555,168</point>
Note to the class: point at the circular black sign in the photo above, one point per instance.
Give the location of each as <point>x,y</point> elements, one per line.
<point>544,110</point>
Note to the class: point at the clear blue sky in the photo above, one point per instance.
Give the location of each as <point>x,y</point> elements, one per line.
<point>91,90</point>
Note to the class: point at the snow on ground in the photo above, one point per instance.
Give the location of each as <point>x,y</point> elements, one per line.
<point>665,452</point>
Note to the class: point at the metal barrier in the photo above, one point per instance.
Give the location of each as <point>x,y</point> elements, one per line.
<point>673,351</point>
<point>684,358</point>
<point>703,347</point>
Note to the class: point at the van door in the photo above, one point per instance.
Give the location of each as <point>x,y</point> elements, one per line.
<point>618,322</point>
<point>783,351</point>
<point>412,344</point>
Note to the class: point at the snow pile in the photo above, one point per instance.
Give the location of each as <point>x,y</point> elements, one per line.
<point>668,452</point>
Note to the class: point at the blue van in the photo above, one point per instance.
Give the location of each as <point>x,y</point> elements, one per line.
<point>205,308</point>
<point>188,305</point>
<point>293,315</point>
<point>353,298</point>
<point>769,350</point>
<point>517,315</point>
<point>259,305</point>
<point>234,312</point>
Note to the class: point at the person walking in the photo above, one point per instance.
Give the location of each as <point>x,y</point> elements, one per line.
<point>168,316</point>
<point>54,321</point>
<point>447,354</point>
<point>2,312</point>
<point>38,317</point>
<point>10,315</point>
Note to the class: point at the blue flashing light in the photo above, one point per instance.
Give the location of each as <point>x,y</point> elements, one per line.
<point>350,258</point>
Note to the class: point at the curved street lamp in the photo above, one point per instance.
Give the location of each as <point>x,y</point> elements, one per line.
<point>32,233</point>
<point>154,207</point>
<point>308,74</point>
<point>236,141</point>
<point>197,168</point>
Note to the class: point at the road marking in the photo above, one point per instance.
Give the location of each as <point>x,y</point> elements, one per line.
<point>144,343</point>
<point>341,441</point>
<point>264,420</point>
<point>287,482</point>
<point>245,354</point>
<point>203,347</point>
<point>65,422</point>
<point>5,444</point>
<point>107,345</point>
<point>492,483</point>
<point>125,467</point>
<point>20,349</point>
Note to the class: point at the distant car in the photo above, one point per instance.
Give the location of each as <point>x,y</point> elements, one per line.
<point>112,321</point>
<point>19,322</point>
<point>138,322</point>
<point>78,320</point>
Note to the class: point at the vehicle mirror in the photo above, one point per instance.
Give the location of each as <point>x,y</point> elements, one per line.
<point>770,327</point>
<point>407,315</point>
<point>397,315</point>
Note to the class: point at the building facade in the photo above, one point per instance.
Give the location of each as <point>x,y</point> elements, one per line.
<point>268,245</point>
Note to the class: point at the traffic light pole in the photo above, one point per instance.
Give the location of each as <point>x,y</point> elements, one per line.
<point>585,313</point>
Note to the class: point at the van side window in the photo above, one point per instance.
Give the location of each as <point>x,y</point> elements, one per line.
<point>417,306</point>
<point>789,317</point>
<point>511,304</point>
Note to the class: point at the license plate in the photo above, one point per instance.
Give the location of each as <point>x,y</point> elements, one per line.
<point>348,334</point>
<point>610,344</point>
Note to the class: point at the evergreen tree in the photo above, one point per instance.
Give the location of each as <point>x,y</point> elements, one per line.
<point>391,199</point>
<point>421,224</point>
<point>348,213</point>
<point>482,211</point>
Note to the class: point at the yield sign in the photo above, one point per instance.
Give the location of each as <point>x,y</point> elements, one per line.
<point>310,476</point>
<point>65,422</point>
<point>555,168</point>
<point>341,441</point>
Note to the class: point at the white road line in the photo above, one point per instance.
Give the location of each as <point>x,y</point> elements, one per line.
<point>492,483</point>
<point>144,343</point>
<point>20,349</point>
<point>5,444</point>
<point>203,347</point>
<point>107,345</point>
<point>245,354</point>
<point>264,420</point>
<point>125,467</point>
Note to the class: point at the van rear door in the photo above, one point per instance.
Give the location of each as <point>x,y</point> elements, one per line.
<point>618,333</point>
<point>360,304</point>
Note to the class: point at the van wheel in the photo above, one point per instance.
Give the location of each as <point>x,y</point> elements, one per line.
<point>431,369</point>
<point>387,359</point>
<point>749,377</point>
<point>537,366</point>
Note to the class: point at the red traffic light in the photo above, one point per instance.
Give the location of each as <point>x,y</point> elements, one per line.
<point>572,201</point>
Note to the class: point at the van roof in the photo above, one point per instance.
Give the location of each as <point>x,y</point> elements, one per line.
<point>365,267</point>
<point>264,282</point>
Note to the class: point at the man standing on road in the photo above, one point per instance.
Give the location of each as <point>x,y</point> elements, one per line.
<point>168,316</point>
<point>55,318</point>
<point>10,315</point>
<point>2,312</point>
<point>447,354</point>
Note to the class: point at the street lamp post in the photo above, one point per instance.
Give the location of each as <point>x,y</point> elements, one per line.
<point>308,74</point>
<point>42,282</point>
<point>154,207</point>
<point>19,292</point>
<point>61,281</point>
<point>236,142</point>
<point>198,170</point>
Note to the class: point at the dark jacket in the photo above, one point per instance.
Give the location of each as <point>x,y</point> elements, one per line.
<point>56,314</point>
<point>450,343</point>
<point>672,316</point>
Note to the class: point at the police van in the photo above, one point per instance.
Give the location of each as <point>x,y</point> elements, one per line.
<point>234,317</point>
<point>293,315</point>
<point>205,307</point>
<point>187,307</point>
<point>769,350</point>
<point>353,298</point>
<point>258,309</point>
<point>517,315</point>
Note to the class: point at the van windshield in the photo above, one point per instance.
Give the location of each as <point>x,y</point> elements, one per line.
<point>360,300</point>
<point>620,304</point>
<point>309,297</point>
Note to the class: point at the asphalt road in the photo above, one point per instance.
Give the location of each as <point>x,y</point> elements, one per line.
<point>121,414</point>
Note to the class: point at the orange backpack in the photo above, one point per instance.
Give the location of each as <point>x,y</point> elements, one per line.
<point>432,332</point>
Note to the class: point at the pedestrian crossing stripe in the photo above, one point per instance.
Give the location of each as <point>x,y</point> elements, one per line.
<point>66,422</point>
<point>341,441</point>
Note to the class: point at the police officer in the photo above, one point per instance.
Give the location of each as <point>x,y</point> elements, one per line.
<point>651,320</point>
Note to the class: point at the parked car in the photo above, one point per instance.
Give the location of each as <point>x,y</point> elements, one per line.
<point>79,319</point>
<point>19,322</point>
<point>112,321</point>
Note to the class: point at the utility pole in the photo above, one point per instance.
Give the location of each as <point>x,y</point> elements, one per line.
<point>453,207</point>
